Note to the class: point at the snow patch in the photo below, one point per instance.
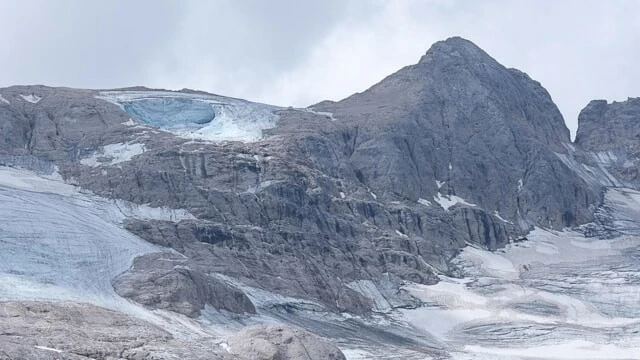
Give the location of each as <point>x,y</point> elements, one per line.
<point>571,350</point>
<point>48,349</point>
<point>113,154</point>
<point>447,201</point>
<point>497,214</point>
<point>115,209</point>
<point>2,99</point>
<point>326,114</point>
<point>605,157</point>
<point>359,354</point>
<point>129,122</point>
<point>34,99</point>
<point>493,263</point>
<point>342,195</point>
<point>440,183</point>
<point>424,202</point>
<point>225,347</point>
<point>29,181</point>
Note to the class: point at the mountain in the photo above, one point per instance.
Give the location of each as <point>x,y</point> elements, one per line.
<point>460,124</point>
<point>209,213</point>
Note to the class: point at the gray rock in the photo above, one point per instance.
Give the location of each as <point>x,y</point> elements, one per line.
<point>488,132</point>
<point>169,281</point>
<point>609,136</point>
<point>74,331</point>
<point>277,342</point>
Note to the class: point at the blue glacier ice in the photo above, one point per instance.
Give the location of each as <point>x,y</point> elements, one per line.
<point>196,115</point>
<point>166,112</point>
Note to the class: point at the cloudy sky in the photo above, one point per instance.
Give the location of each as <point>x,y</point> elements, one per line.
<point>298,52</point>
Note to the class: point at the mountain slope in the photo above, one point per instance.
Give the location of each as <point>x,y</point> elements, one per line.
<point>486,132</point>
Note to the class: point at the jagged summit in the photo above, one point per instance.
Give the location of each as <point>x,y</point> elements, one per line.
<point>456,47</point>
<point>461,118</point>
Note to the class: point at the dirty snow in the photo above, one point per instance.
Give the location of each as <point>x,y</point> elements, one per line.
<point>34,99</point>
<point>129,122</point>
<point>328,115</point>
<point>48,349</point>
<point>497,214</point>
<point>557,295</point>
<point>113,154</point>
<point>424,202</point>
<point>447,201</point>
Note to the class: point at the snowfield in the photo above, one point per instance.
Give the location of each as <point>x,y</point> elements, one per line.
<point>58,243</point>
<point>557,295</point>
<point>113,154</point>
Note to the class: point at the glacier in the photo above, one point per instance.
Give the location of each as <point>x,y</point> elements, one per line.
<point>556,295</point>
<point>61,243</point>
<point>197,116</point>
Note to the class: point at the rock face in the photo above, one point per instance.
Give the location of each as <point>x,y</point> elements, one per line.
<point>167,281</point>
<point>72,331</point>
<point>277,342</point>
<point>609,134</point>
<point>385,186</point>
<point>459,123</point>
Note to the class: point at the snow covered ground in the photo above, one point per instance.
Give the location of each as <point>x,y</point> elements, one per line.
<point>197,116</point>
<point>447,201</point>
<point>557,295</point>
<point>34,99</point>
<point>113,154</point>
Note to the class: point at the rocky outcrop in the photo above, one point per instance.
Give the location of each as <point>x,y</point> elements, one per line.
<point>278,342</point>
<point>168,281</point>
<point>73,331</point>
<point>609,136</point>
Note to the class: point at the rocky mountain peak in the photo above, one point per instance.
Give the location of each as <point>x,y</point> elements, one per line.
<point>458,49</point>
<point>603,125</point>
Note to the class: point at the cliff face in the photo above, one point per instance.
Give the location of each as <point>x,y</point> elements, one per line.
<point>610,136</point>
<point>459,123</point>
<point>386,185</point>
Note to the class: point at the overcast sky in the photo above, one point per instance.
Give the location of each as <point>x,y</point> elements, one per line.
<point>298,52</point>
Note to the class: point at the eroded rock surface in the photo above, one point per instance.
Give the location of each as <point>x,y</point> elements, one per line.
<point>278,342</point>
<point>75,331</point>
<point>168,281</point>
